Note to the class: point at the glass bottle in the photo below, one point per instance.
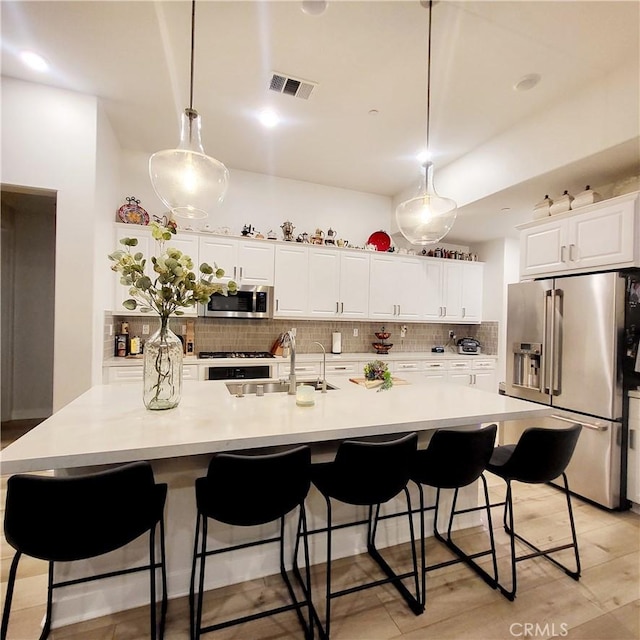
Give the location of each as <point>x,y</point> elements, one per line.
<point>162,369</point>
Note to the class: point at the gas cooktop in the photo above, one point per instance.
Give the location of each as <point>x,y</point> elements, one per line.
<point>235,354</point>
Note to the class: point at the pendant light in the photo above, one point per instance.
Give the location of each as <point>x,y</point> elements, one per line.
<point>428,217</point>
<point>186,179</point>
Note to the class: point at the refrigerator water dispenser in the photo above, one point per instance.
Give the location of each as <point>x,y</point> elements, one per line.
<point>526,364</point>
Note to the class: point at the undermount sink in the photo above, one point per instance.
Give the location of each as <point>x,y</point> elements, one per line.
<point>271,386</point>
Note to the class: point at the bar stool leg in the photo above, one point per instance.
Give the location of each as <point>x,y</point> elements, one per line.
<point>9,595</point>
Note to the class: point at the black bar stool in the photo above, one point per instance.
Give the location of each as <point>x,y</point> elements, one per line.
<point>452,460</point>
<point>246,490</point>
<point>64,519</point>
<point>541,455</point>
<point>368,473</point>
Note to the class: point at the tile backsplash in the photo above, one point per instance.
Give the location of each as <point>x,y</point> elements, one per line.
<point>212,334</point>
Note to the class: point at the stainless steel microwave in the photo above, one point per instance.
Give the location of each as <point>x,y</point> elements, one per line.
<point>249,302</point>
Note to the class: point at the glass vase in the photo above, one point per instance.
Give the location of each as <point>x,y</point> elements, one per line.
<point>162,369</point>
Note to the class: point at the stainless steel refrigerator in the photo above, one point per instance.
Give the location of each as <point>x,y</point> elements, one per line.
<point>564,340</point>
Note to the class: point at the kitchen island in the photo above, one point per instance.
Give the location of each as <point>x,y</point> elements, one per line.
<point>109,425</point>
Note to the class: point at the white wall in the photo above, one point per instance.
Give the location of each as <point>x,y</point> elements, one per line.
<point>502,267</point>
<point>107,193</point>
<point>608,112</point>
<point>49,141</point>
<point>265,202</point>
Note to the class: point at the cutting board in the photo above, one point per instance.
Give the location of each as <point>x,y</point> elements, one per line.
<point>372,384</point>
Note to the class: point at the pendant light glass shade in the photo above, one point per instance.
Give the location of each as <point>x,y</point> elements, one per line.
<point>427,218</point>
<point>188,181</point>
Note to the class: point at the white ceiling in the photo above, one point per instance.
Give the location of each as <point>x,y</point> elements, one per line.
<point>364,55</point>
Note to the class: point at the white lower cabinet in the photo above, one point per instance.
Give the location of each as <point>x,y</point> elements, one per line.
<point>133,373</point>
<point>302,369</point>
<point>435,370</point>
<point>633,450</point>
<point>476,373</point>
<point>343,368</point>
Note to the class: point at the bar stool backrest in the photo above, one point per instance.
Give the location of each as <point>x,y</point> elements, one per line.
<point>455,458</point>
<point>542,454</point>
<point>373,472</point>
<point>79,517</point>
<point>247,490</point>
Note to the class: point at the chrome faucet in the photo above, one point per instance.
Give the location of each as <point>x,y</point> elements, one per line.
<point>324,367</point>
<point>290,339</point>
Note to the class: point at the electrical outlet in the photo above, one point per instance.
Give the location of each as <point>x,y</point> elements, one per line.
<point>355,333</point>
<point>451,334</point>
<point>403,330</point>
<point>145,329</point>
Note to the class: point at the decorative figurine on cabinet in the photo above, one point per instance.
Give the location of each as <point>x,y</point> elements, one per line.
<point>287,230</point>
<point>317,237</point>
<point>271,235</point>
<point>247,230</point>
<point>331,237</point>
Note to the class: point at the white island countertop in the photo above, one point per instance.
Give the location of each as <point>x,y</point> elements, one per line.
<point>109,424</point>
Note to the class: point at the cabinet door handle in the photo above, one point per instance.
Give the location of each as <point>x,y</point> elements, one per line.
<point>398,309</point>
<point>241,268</point>
<point>562,250</point>
<point>277,304</point>
<point>464,311</point>
<point>337,307</point>
<point>342,307</point>
<point>571,248</point>
<point>444,311</point>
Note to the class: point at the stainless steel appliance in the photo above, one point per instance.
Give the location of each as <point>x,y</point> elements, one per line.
<point>469,346</point>
<point>254,302</point>
<point>256,370</point>
<point>564,341</point>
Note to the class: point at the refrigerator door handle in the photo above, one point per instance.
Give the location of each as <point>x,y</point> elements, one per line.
<point>586,425</point>
<point>547,350</point>
<point>556,340</point>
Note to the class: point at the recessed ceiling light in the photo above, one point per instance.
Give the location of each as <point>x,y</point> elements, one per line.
<point>424,156</point>
<point>314,7</point>
<point>527,82</point>
<point>269,118</point>
<point>34,61</point>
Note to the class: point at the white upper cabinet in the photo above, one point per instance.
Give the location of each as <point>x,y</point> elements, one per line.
<point>329,282</point>
<point>598,236</point>
<point>291,281</point>
<point>186,243</point>
<point>396,288</point>
<point>472,287</point>
<point>244,261</point>
<point>454,291</point>
<point>338,284</point>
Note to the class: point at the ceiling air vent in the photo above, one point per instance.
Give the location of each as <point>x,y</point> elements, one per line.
<point>291,86</point>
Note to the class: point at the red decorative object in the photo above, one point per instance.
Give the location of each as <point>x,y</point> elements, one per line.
<point>380,240</point>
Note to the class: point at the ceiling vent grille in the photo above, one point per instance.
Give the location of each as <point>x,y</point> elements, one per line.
<point>290,86</point>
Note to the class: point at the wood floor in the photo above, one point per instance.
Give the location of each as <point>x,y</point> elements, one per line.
<point>603,605</point>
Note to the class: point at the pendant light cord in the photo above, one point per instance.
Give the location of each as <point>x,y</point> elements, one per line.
<point>193,43</point>
<point>429,76</point>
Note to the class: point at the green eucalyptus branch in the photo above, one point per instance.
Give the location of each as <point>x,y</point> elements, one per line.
<point>174,285</point>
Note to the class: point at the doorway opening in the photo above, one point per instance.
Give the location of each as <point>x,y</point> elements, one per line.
<point>28,228</point>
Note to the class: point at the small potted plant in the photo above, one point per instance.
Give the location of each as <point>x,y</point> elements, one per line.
<point>377,374</point>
